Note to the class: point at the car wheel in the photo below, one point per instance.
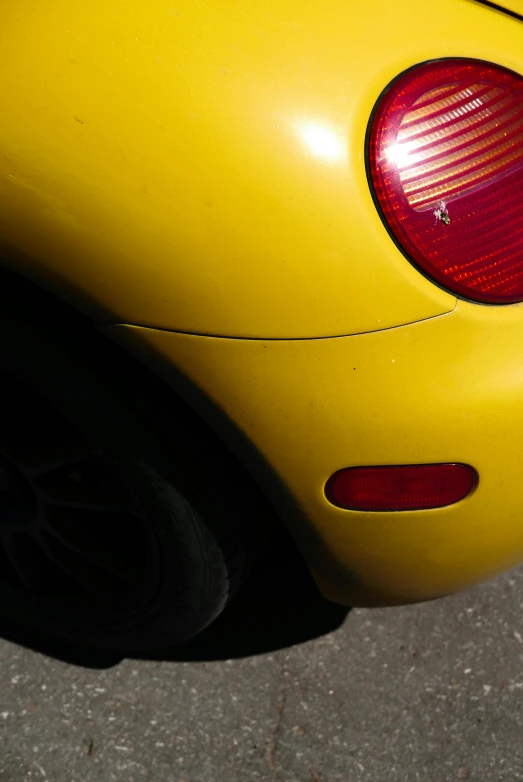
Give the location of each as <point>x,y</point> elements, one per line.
<point>124,523</point>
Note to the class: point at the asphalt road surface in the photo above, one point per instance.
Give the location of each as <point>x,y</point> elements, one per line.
<point>431,692</point>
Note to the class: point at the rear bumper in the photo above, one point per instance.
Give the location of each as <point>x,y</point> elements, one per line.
<point>446,389</point>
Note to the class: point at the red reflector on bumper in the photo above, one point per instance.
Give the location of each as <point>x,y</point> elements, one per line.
<point>402,487</point>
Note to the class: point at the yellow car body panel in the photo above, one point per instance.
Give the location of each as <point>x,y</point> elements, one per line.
<point>200,167</point>
<point>449,389</point>
<point>197,172</point>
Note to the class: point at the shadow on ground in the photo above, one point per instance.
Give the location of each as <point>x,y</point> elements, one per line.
<point>279,606</point>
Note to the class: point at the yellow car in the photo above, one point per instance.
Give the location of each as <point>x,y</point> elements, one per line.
<point>256,257</point>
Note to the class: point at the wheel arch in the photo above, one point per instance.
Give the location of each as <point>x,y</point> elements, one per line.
<point>47,303</point>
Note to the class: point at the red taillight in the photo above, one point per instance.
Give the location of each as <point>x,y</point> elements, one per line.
<point>404,487</point>
<point>446,162</point>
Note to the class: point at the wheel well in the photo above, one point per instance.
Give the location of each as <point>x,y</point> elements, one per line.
<point>84,335</point>
<point>199,417</point>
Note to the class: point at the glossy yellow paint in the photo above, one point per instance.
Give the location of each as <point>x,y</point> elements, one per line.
<point>446,389</point>
<point>199,166</point>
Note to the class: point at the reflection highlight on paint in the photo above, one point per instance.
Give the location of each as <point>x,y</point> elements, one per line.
<point>322,142</point>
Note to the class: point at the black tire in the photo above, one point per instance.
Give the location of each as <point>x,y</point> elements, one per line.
<point>82,425</point>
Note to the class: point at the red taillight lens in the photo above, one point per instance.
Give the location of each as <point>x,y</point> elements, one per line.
<point>446,161</point>
<point>405,487</point>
